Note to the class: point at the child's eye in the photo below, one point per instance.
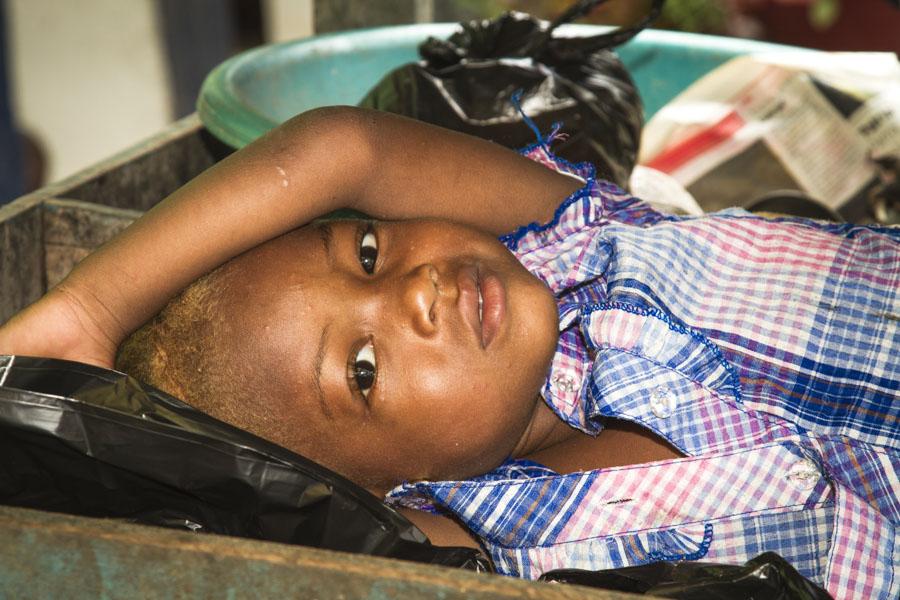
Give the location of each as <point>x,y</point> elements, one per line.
<point>368,250</point>
<point>363,369</point>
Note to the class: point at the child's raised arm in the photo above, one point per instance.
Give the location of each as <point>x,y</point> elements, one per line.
<point>384,165</point>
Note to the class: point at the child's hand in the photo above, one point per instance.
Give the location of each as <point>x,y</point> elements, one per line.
<point>58,326</point>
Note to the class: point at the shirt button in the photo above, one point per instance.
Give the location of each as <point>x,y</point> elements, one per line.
<point>564,382</point>
<point>662,402</point>
<point>804,474</point>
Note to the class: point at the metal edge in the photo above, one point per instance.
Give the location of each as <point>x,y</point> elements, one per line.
<point>55,555</point>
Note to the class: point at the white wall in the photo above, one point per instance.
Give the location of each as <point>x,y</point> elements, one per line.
<point>88,76</point>
<point>288,19</point>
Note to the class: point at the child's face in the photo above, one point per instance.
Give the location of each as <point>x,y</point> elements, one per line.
<point>397,350</point>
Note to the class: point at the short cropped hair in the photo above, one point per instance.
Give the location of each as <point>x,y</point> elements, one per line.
<point>189,352</point>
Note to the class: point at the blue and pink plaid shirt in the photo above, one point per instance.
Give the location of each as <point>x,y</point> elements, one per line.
<point>767,351</point>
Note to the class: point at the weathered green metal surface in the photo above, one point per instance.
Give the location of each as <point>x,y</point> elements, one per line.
<point>43,234</point>
<point>141,175</point>
<point>21,256</point>
<point>45,555</point>
<point>73,229</point>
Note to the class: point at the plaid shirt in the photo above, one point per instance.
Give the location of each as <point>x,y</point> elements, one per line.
<point>768,351</point>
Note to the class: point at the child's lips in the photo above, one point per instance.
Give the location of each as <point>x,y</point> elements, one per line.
<point>482,302</point>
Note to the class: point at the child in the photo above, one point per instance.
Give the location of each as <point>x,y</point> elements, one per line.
<point>623,387</point>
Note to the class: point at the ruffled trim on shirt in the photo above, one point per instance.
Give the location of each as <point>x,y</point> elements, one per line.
<point>608,199</point>
<point>646,334</point>
<point>687,352</point>
<point>540,152</point>
<point>511,240</point>
<point>418,496</point>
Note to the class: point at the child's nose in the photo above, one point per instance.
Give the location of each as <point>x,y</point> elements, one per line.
<point>419,298</point>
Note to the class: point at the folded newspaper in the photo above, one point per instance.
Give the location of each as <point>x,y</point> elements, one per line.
<point>823,124</point>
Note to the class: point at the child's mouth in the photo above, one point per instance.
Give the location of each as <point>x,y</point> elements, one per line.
<point>482,302</point>
<point>492,305</point>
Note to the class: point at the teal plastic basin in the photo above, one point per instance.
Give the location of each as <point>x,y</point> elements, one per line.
<point>254,91</point>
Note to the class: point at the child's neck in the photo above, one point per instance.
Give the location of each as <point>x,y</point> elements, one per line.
<point>567,450</point>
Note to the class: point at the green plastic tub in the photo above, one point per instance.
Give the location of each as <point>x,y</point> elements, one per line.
<point>254,91</point>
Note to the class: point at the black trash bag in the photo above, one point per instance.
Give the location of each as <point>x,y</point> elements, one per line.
<point>467,83</point>
<point>92,442</point>
<point>766,577</point>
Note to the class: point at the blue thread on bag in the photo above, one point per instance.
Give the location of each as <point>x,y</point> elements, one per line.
<point>516,100</point>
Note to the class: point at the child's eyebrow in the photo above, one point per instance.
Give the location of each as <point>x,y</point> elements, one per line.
<point>317,373</point>
<point>326,233</point>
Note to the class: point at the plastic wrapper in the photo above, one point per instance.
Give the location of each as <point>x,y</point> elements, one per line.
<point>468,82</point>
<point>806,133</point>
<point>92,442</point>
<point>766,577</point>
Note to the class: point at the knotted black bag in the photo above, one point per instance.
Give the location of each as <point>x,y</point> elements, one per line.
<point>468,83</point>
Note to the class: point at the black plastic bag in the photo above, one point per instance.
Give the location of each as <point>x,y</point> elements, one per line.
<point>467,83</point>
<point>766,577</point>
<point>87,441</point>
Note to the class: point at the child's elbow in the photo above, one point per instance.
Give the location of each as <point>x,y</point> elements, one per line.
<point>330,116</point>
<point>344,134</point>
<point>345,127</point>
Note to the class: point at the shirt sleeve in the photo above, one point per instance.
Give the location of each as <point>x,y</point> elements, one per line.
<point>595,201</point>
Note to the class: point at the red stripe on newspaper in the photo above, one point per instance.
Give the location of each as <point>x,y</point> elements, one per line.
<point>672,158</point>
